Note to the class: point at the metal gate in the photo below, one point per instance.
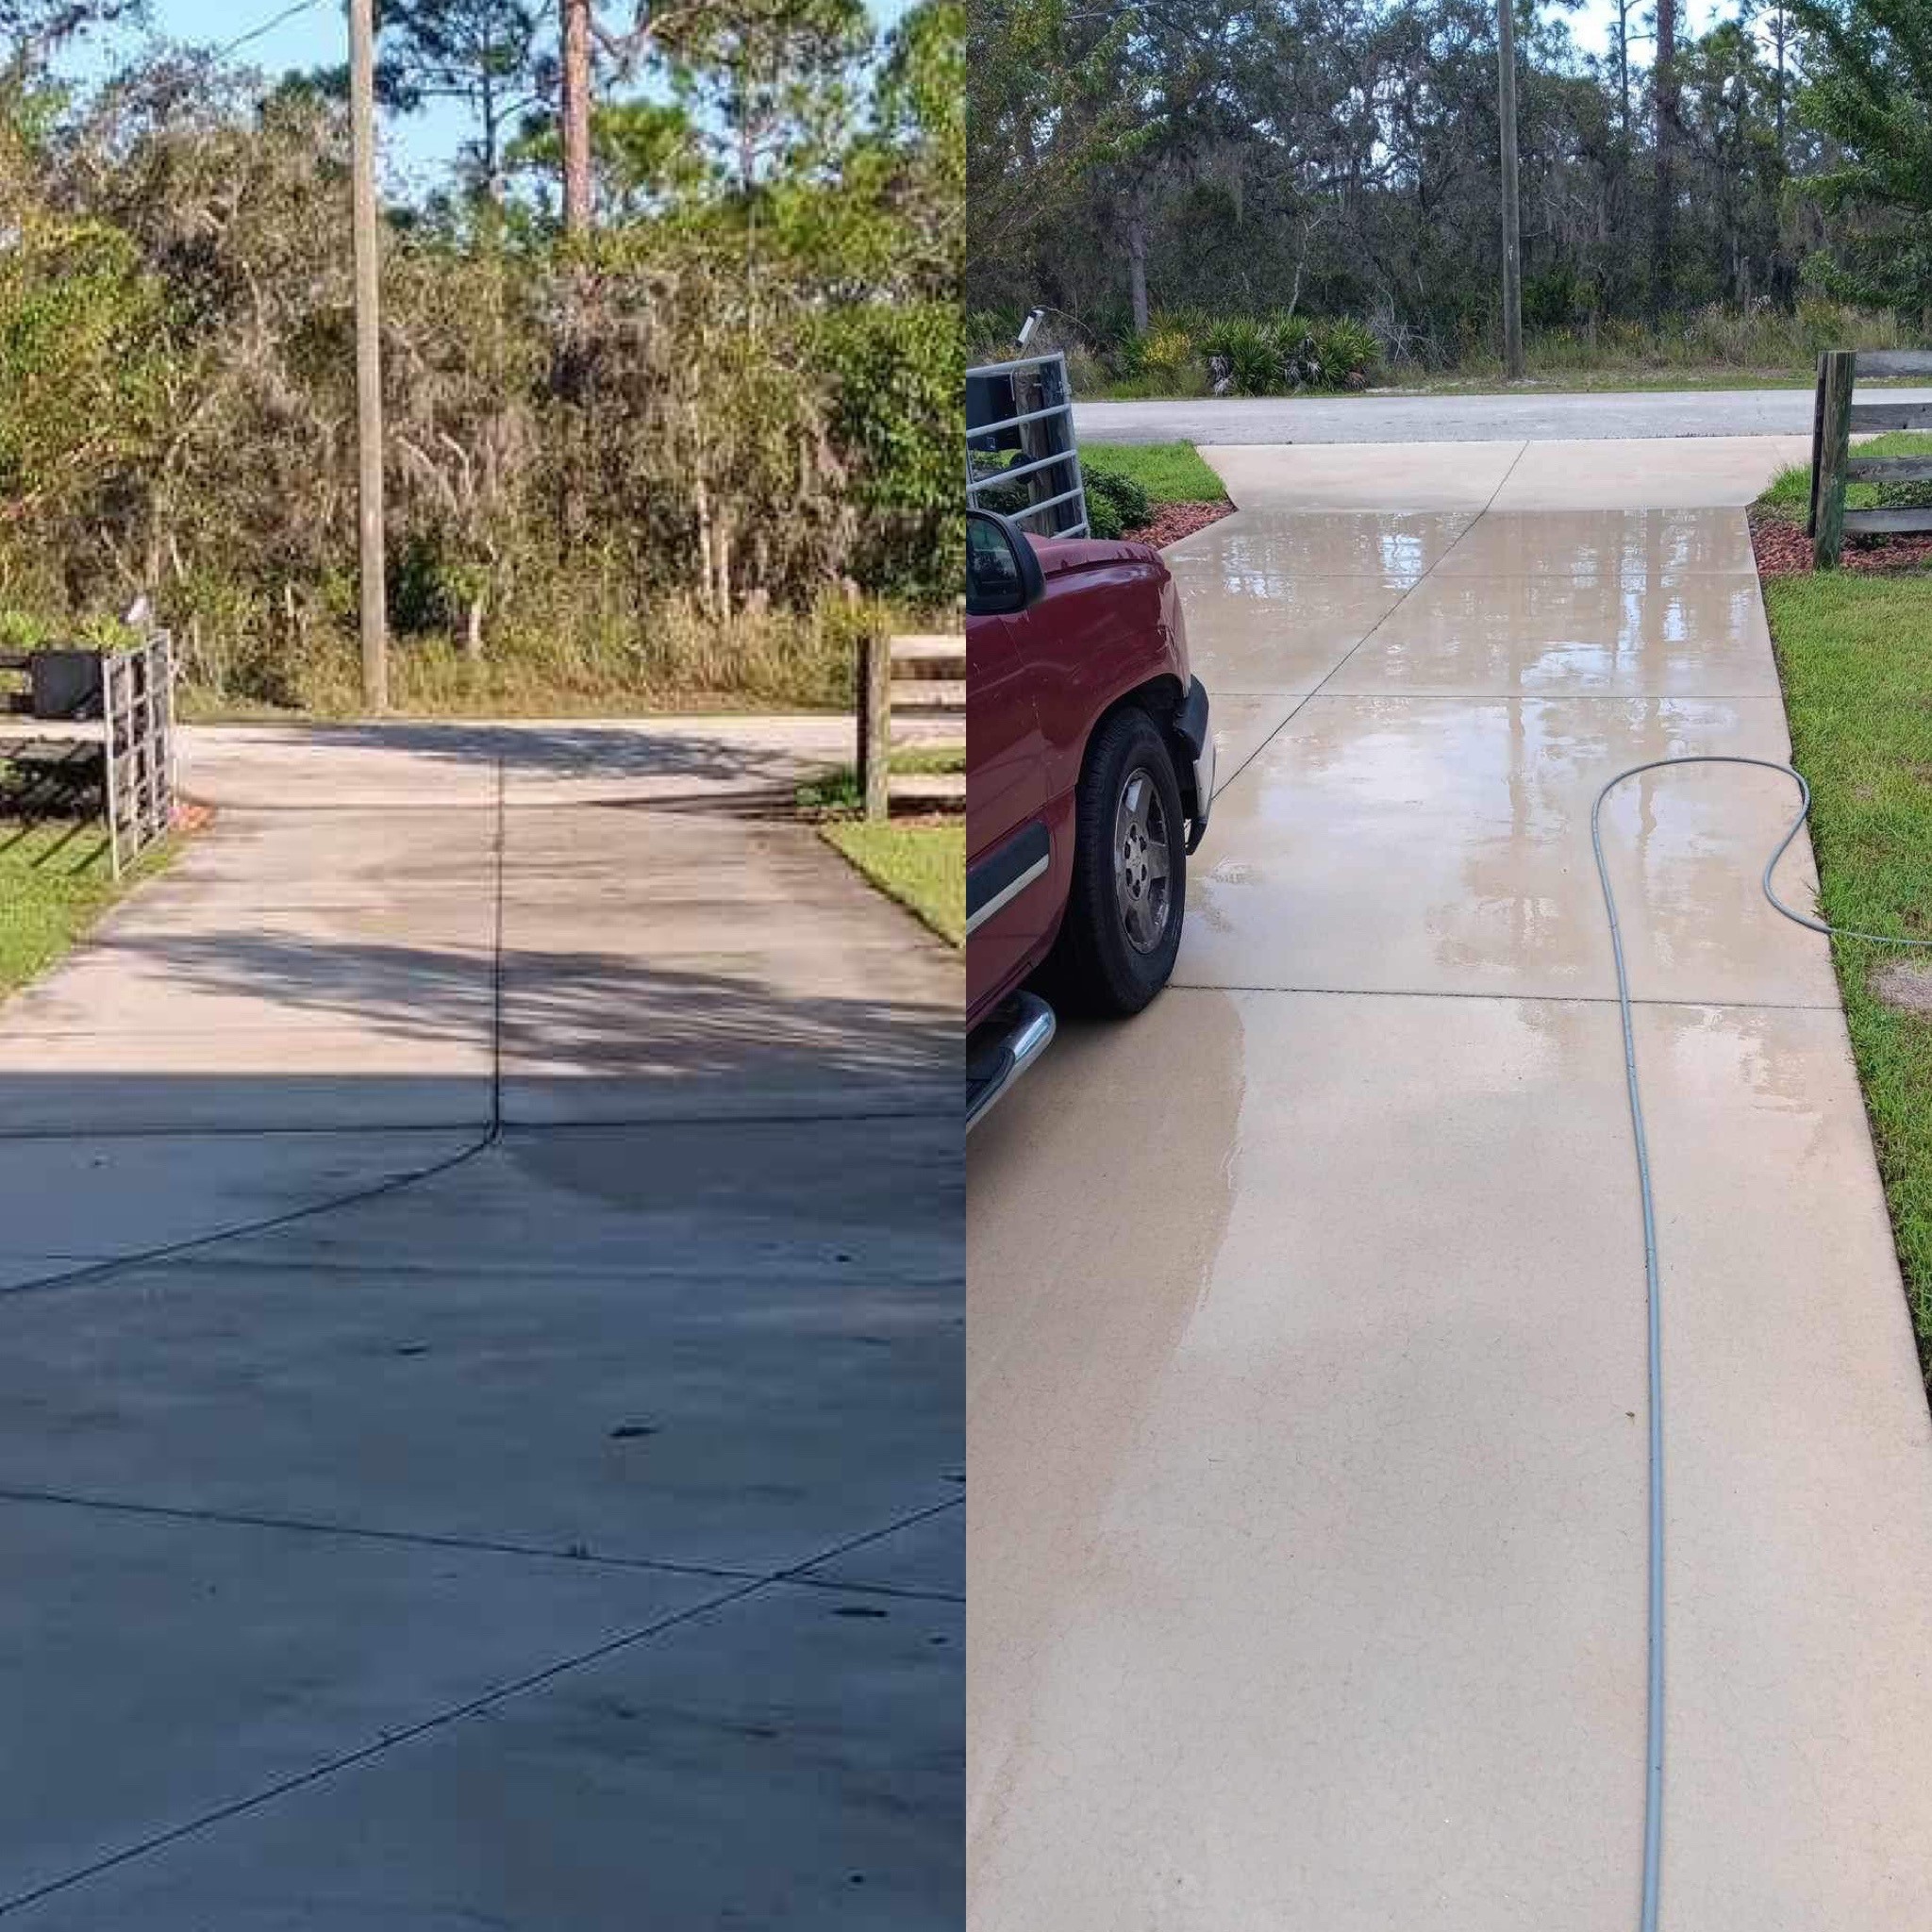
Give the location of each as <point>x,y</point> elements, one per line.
<point>1021,457</point>
<point>137,747</point>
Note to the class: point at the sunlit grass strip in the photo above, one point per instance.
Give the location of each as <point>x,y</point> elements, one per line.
<point>1855,653</point>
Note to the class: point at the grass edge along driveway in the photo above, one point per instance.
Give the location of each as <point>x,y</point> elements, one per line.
<point>921,863</point>
<point>55,885</point>
<point>1170,472</point>
<point>1854,655</point>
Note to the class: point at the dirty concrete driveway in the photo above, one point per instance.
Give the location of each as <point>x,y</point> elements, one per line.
<point>542,1508</point>
<point>1306,1363</point>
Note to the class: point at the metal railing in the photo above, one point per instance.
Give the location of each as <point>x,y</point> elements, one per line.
<point>137,747</point>
<point>1023,410</point>
<point>96,730</point>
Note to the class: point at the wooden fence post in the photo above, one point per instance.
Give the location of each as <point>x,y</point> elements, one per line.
<point>1817,447</point>
<point>1837,371</point>
<point>876,723</point>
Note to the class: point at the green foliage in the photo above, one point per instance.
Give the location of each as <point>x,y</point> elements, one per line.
<point>1790,490</point>
<point>1166,350</point>
<point>923,867</point>
<point>1871,91</point>
<point>1116,503</point>
<point>81,367</point>
<point>481,53</point>
<point>1328,159</point>
<point>678,462</point>
<point>55,880</point>
<point>900,423</point>
<point>1855,658</point>
<point>1280,354</point>
<point>1248,354</point>
<point>1168,472</point>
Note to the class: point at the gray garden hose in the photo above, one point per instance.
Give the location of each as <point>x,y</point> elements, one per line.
<point>1653,1705</point>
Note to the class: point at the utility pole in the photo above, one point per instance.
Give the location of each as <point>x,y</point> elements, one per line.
<point>368,358</point>
<point>575,116</point>
<point>1512,233</point>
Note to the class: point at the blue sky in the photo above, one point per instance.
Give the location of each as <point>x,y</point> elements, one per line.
<point>415,147</point>
<point>1595,21</point>
<point>315,35</point>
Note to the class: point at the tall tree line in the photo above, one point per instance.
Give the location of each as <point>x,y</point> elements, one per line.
<point>713,384</point>
<point>1338,157</point>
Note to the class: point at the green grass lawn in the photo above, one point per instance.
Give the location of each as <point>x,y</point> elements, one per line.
<point>1168,472</point>
<point>1790,491</point>
<point>54,884</point>
<point>923,867</point>
<point>1855,653</point>
<point>838,790</point>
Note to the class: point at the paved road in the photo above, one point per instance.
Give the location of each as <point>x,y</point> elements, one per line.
<point>1306,1349</point>
<point>570,1536</point>
<point>1539,417</point>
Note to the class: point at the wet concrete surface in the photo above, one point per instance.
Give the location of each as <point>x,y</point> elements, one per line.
<point>559,1464</point>
<point>1696,472</point>
<point>1306,1364</point>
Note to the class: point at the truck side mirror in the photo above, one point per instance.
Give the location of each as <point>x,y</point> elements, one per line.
<point>1003,573</point>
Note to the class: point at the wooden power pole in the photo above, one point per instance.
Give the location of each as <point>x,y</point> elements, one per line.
<point>368,358</point>
<point>575,116</point>
<point>1513,232</point>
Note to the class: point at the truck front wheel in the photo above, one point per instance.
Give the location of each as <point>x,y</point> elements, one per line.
<point>1123,925</point>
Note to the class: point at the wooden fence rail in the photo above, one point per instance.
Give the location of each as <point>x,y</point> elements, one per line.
<point>919,682</point>
<point>1835,419</point>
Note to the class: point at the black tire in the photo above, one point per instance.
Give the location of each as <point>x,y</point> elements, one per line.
<point>1110,960</point>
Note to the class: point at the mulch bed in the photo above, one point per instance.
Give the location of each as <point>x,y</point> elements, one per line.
<point>1173,521</point>
<point>1784,550</point>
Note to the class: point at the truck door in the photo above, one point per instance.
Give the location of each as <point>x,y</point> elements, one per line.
<point>1005,791</point>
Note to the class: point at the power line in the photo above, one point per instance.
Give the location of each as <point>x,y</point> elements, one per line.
<point>268,27</point>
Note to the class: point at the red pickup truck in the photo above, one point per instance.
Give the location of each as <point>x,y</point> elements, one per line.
<point>1089,775</point>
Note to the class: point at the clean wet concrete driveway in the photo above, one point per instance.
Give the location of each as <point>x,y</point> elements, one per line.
<point>1306,1364</point>
<point>569,1535</point>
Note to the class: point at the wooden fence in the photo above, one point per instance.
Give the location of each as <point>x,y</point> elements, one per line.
<point>1835,419</point>
<point>911,696</point>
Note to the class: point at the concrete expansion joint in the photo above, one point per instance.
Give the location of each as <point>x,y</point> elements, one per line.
<point>1408,591</point>
<point>741,1590</point>
<point>1687,1002</point>
<point>101,1270</point>
<point>484,1546</point>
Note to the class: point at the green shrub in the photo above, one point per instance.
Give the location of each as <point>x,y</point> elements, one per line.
<point>899,418</point>
<point>1296,346</point>
<point>1115,504</point>
<point>1166,349</point>
<point>1085,376</point>
<point>1249,352</point>
<point>1103,519</point>
<point>1291,352</point>
<point>1351,352</point>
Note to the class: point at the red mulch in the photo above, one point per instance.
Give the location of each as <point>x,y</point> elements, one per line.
<point>1173,521</point>
<point>1785,550</point>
